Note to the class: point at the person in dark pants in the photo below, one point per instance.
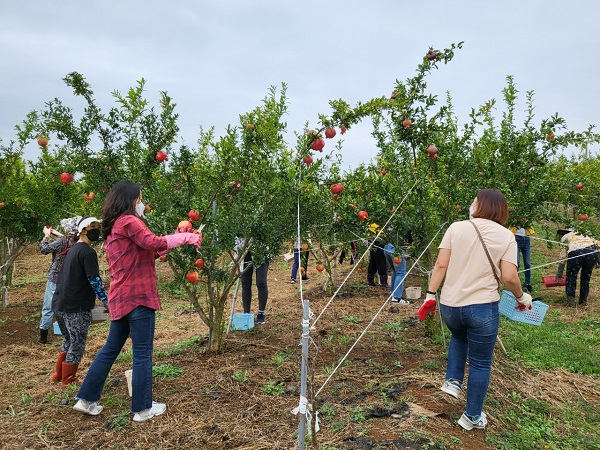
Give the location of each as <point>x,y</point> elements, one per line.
<point>582,257</point>
<point>261,284</point>
<point>377,264</point>
<point>77,287</point>
<point>353,253</point>
<point>301,255</point>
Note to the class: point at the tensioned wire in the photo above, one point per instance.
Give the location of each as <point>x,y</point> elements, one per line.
<point>376,314</point>
<point>364,254</point>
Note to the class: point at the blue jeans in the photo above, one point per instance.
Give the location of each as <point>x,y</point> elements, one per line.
<point>299,258</point>
<point>398,271</point>
<point>47,313</point>
<point>474,330</point>
<point>140,324</point>
<point>524,248</point>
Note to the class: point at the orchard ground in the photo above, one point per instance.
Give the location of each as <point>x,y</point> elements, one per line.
<point>386,394</point>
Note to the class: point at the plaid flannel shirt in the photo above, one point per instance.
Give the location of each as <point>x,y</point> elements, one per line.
<point>58,248</point>
<point>131,249</point>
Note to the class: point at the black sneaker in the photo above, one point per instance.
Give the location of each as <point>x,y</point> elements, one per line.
<point>260,318</point>
<point>529,288</point>
<point>305,278</point>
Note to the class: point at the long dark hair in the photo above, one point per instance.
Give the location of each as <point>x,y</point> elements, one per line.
<point>119,201</point>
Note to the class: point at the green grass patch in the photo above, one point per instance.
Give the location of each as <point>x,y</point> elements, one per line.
<point>166,371</point>
<point>554,344</point>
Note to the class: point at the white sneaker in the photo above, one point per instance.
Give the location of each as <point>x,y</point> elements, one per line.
<point>91,408</point>
<point>452,387</point>
<point>156,410</point>
<point>468,424</point>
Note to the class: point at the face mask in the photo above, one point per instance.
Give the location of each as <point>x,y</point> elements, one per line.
<point>139,209</point>
<point>471,212</point>
<point>93,234</point>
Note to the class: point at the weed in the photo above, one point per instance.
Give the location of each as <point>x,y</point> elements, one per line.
<point>180,347</point>
<point>26,398</point>
<point>338,426</point>
<point>328,412</point>
<point>119,421</point>
<point>125,356</point>
<point>398,365</point>
<point>344,340</point>
<point>351,319</point>
<point>358,415</point>
<point>281,356</point>
<point>273,388</point>
<point>240,376</point>
<point>162,371</point>
<point>50,397</point>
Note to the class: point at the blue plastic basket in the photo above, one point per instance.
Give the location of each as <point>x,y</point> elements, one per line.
<point>533,316</point>
<point>242,322</point>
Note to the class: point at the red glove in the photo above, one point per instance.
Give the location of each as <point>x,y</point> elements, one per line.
<point>428,307</point>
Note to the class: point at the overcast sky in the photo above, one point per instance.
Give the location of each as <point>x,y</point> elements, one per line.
<point>217,59</point>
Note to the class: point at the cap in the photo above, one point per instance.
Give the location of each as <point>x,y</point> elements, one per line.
<point>86,222</point>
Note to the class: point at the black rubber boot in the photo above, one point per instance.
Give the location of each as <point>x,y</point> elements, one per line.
<point>371,279</point>
<point>571,301</point>
<point>43,337</point>
<point>383,281</point>
<point>583,301</point>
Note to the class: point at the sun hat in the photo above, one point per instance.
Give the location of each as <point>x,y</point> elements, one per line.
<point>86,222</point>
<point>70,224</point>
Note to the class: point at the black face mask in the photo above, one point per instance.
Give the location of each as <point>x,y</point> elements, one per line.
<point>93,234</point>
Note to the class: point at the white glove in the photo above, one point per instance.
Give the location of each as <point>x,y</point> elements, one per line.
<point>525,300</point>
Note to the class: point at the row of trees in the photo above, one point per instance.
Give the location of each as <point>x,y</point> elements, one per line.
<point>248,183</point>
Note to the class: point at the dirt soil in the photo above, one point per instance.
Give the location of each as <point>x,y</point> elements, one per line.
<point>385,395</point>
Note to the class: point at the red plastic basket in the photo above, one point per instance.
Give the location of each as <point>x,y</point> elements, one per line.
<point>551,281</point>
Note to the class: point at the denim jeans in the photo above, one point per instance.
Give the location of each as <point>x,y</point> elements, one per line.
<point>474,330</point>
<point>398,271</point>
<point>299,257</point>
<point>47,313</point>
<point>524,248</point>
<point>140,324</point>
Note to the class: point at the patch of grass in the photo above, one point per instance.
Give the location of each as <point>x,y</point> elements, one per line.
<point>338,426</point>
<point>50,397</point>
<point>538,425</point>
<point>240,376</point>
<point>125,356</point>
<point>281,356</point>
<point>119,421</point>
<point>327,411</point>
<point>557,344</point>
<point>162,371</point>
<point>351,319</point>
<point>115,402</point>
<point>358,415</point>
<point>344,340</point>
<point>180,347</point>
<point>273,388</point>
<point>26,398</point>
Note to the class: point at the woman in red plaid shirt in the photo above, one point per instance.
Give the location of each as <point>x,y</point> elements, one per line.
<point>131,249</point>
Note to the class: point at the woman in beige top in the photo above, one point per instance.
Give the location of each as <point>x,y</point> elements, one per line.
<point>469,299</point>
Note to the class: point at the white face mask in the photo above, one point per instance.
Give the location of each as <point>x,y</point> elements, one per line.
<point>140,208</point>
<point>471,211</point>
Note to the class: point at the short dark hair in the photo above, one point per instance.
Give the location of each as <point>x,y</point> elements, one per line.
<point>492,205</point>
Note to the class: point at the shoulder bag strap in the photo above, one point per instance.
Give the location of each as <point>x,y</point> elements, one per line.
<point>488,256</point>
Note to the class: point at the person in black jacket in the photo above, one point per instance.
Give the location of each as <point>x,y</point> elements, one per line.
<point>78,285</point>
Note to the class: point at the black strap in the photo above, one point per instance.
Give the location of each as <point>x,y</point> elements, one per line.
<point>488,256</point>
